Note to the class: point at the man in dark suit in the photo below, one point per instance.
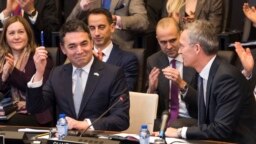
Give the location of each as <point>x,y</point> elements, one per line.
<point>130,17</point>
<point>82,89</point>
<point>226,108</point>
<point>159,71</point>
<point>101,27</point>
<point>42,15</point>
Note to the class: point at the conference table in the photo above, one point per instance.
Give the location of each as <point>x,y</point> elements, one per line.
<point>12,136</point>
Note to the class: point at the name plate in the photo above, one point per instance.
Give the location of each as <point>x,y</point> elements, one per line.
<point>13,135</point>
<point>90,140</point>
<point>63,142</point>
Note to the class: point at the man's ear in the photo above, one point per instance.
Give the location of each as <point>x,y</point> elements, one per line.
<point>198,48</point>
<point>63,49</point>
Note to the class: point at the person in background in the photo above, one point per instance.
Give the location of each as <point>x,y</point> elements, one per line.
<point>226,109</point>
<point>42,15</point>
<point>82,89</point>
<point>247,60</point>
<point>250,13</point>
<point>101,27</point>
<point>17,49</point>
<point>163,79</point>
<point>129,16</point>
<point>189,10</point>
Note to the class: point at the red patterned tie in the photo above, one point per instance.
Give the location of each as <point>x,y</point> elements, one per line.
<point>173,99</point>
<point>100,54</point>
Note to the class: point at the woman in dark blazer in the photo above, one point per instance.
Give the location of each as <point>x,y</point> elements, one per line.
<point>17,48</point>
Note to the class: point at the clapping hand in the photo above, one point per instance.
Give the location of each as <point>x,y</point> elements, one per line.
<point>8,66</point>
<point>246,58</point>
<point>26,5</point>
<point>250,12</point>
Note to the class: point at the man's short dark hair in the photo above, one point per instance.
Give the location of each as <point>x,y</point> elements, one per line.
<point>103,12</point>
<point>73,25</point>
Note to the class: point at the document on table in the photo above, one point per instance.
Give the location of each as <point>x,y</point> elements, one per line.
<point>152,138</point>
<point>32,130</point>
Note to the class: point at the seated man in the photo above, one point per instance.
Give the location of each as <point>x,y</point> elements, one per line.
<point>101,27</point>
<point>82,89</point>
<point>226,109</point>
<point>169,82</point>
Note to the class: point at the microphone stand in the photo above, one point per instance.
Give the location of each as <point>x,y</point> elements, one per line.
<point>121,99</point>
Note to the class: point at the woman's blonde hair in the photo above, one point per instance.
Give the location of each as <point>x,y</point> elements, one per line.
<point>174,6</point>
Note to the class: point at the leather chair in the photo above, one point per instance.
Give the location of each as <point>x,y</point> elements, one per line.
<point>228,56</point>
<point>140,54</point>
<point>53,53</point>
<point>143,109</point>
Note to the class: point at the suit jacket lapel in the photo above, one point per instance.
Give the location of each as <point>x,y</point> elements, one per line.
<point>92,81</point>
<point>213,70</point>
<point>68,87</point>
<point>164,62</point>
<point>114,55</point>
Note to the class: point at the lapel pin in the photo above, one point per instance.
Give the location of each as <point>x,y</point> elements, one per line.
<point>96,74</point>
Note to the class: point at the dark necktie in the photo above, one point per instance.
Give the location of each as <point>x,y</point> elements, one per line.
<point>201,105</point>
<point>173,99</point>
<point>78,93</point>
<point>106,4</point>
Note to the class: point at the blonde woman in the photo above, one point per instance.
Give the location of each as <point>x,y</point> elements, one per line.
<point>189,10</point>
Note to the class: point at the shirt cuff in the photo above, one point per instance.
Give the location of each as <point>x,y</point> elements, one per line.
<point>184,132</point>
<point>32,84</point>
<point>118,22</point>
<point>249,77</point>
<point>89,123</point>
<point>2,18</point>
<point>33,18</point>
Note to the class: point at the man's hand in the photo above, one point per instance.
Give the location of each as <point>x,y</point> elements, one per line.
<point>87,4</point>
<point>11,5</point>
<point>190,18</point>
<point>173,75</point>
<point>8,66</point>
<point>153,80</point>
<point>75,124</point>
<point>246,58</point>
<point>170,132</point>
<point>250,12</point>
<point>40,60</point>
<point>26,5</point>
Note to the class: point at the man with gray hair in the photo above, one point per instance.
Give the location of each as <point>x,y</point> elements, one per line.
<point>226,108</point>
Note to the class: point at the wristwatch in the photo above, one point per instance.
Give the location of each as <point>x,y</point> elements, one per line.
<point>32,14</point>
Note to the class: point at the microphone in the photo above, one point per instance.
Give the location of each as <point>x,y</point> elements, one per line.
<point>121,99</point>
<point>165,117</point>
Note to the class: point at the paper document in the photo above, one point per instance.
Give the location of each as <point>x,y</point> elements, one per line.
<point>32,130</point>
<point>152,138</point>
